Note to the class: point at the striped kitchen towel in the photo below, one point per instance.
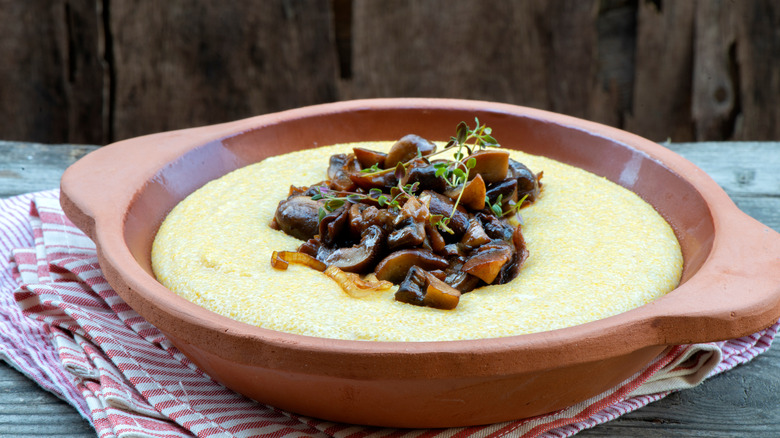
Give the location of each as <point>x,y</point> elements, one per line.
<point>63,326</point>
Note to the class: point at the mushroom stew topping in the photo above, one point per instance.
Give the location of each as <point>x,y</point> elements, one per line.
<point>436,227</point>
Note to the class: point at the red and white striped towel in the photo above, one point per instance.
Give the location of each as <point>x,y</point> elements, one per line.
<point>63,326</point>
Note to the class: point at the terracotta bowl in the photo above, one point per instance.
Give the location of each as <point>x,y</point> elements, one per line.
<point>119,195</point>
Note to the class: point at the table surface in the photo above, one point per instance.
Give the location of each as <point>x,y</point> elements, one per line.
<point>743,402</point>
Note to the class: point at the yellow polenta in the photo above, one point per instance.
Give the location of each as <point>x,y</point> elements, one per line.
<point>596,249</point>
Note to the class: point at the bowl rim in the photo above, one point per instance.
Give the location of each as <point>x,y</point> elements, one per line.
<point>682,316</point>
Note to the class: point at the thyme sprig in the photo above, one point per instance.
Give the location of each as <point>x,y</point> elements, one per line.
<point>498,209</point>
<point>335,200</point>
<point>456,174</point>
<point>481,137</point>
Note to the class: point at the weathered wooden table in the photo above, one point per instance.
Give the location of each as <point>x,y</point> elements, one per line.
<point>744,402</point>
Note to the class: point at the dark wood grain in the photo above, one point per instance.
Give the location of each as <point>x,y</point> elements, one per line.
<point>742,403</point>
<point>183,63</point>
<point>96,71</point>
<point>661,106</point>
<point>51,83</point>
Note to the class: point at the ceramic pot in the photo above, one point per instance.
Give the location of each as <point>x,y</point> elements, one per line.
<point>119,195</point>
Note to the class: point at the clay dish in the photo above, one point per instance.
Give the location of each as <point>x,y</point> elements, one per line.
<point>119,195</point>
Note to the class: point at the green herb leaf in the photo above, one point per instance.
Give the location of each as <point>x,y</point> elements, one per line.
<point>461,132</point>
<point>372,169</point>
<point>374,192</point>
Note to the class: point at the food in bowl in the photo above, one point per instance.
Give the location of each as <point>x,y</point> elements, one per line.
<point>594,249</point>
<point>437,222</point>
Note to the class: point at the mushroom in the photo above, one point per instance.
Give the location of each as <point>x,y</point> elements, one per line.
<point>410,235</point>
<point>384,179</point>
<point>412,288</point>
<point>494,227</point>
<point>487,260</point>
<point>421,288</point>
<point>423,173</point>
<point>474,192</point>
<point>512,269</point>
<point>332,225</point>
<point>462,281</point>
<point>435,239</point>
<point>340,168</point>
<point>439,294</point>
<point>411,220</point>
<point>527,182</point>
<point>368,158</point>
<point>408,147</point>
<point>298,216</point>
<point>506,189</point>
<point>475,235</point>
<point>492,164</point>
<point>374,216</point>
<point>394,267</point>
<point>439,204</point>
<point>359,258</point>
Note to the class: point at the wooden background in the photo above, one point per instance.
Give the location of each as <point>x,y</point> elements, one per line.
<point>96,71</point>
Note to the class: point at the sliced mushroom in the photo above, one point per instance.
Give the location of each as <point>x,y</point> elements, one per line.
<point>410,225</point>
<point>421,288</point>
<point>527,182</point>
<point>512,269</point>
<point>474,192</point>
<point>298,216</point>
<point>492,164</point>
<point>368,158</point>
<point>332,225</point>
<point>384,179</point>
<point>494,227</point>
<point>361,257</point>
<point>395,266</point>
<point>356,222</point>
<point>475,235</point>
<point>507,189</point>
<point>462,281</point>
<point>423,173</point>
<point>407,148</point>
<point>408,236</point>
<point>435,239</point>
<point>412,288</point>
<point>439,294</point>
<point>439,204</point>
<point>339,170</point>
<point>486,261</point>
<point>382,218</point>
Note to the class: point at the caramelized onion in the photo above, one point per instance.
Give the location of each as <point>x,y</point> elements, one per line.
<point>281,259</point>
<point>353,285</point>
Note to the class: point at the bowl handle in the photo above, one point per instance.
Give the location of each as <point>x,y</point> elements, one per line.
<point>95,188</point>
<point>736,291</point>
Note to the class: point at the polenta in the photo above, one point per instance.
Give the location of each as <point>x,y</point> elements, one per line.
<point>596,250</point>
